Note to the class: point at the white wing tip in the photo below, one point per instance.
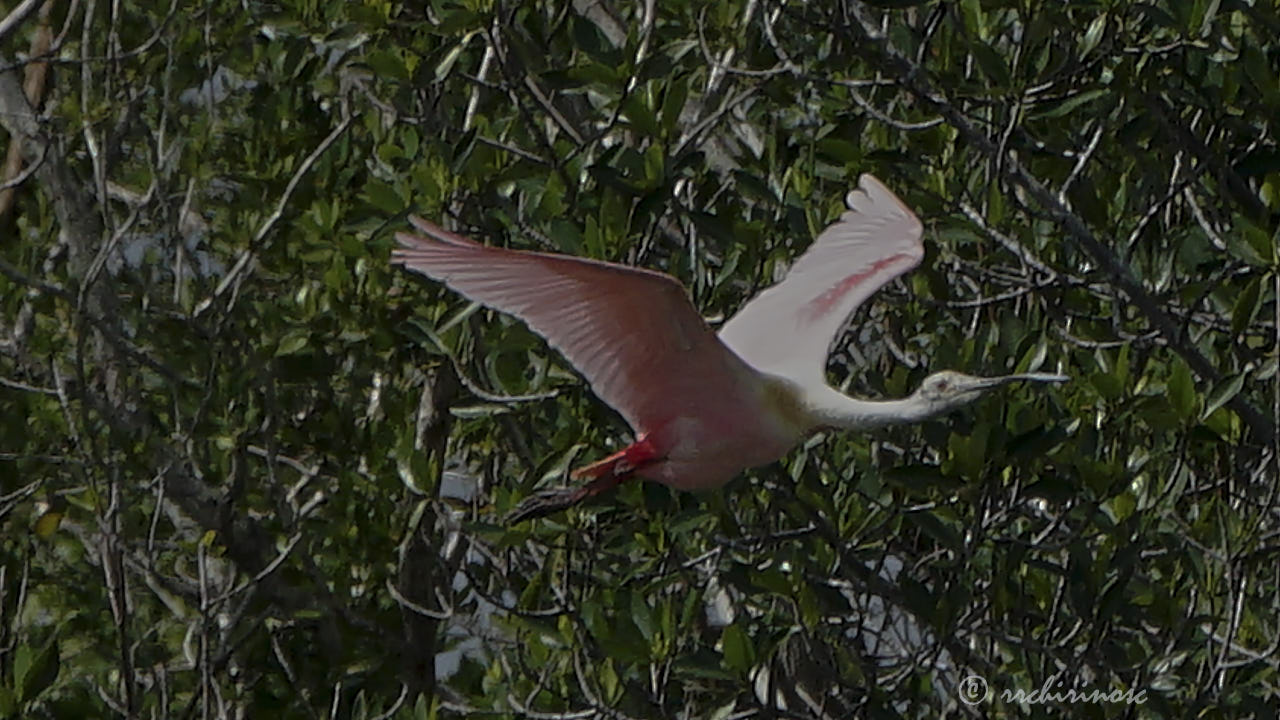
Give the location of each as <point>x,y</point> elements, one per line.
<point>871,197</point>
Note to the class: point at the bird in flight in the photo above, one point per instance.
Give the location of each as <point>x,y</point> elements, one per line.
<point>704,406</point>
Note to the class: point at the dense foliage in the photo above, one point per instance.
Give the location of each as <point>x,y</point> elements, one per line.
<point>247,470</point>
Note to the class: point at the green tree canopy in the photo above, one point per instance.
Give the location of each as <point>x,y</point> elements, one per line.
<point>247,470</point>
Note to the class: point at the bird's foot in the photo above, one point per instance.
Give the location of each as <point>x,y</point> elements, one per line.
<point>546,502</point>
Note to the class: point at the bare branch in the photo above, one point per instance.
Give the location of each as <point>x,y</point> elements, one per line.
<point>16,16</point>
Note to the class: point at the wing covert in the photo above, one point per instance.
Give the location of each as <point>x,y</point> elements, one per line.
<point>788,328</point>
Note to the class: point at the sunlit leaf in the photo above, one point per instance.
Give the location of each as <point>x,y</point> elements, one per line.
<point>1093,35</point>
<point>1222,393</point>
<point>48,524</point>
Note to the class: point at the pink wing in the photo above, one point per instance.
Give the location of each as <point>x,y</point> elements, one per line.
<point>787,330</point>
<point>632,333</point>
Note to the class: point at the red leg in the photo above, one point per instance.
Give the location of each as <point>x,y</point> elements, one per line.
<point>624,462</point>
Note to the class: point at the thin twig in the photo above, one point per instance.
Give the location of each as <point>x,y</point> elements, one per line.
<point>232,277</point>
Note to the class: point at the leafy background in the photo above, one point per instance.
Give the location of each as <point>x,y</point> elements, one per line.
<point>247,470</point>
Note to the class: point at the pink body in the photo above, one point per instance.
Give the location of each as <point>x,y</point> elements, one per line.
<point>708,451</point>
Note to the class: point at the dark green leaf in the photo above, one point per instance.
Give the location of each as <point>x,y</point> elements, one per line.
<point>992,65</point>
<point>640,114</point>
<point>35,670</point>
<point>737,649</point>
<point>1066,107</point>
<point>1247,305</point>
<point>1182,390</point>
<point>936,528</point>
<point>673,103</point>
<point>388,63</point>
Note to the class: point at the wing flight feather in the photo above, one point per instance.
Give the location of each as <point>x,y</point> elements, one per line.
<point>632,333</point>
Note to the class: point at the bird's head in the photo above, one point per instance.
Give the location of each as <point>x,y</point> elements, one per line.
<point>948,390</point>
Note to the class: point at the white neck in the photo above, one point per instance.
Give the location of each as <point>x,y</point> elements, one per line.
<point>831,408</point>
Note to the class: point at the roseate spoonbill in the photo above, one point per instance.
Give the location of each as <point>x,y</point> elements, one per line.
<point>704,406</point>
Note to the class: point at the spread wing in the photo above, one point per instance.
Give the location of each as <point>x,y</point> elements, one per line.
<point>788,329</point>
<point>632,333</point>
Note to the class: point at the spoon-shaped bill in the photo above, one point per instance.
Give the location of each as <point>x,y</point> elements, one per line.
<point>994,382</point>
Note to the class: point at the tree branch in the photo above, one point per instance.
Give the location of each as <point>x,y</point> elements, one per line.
<point>869,38</point>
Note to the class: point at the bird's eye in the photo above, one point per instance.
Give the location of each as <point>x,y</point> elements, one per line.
<point>942,386</point>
